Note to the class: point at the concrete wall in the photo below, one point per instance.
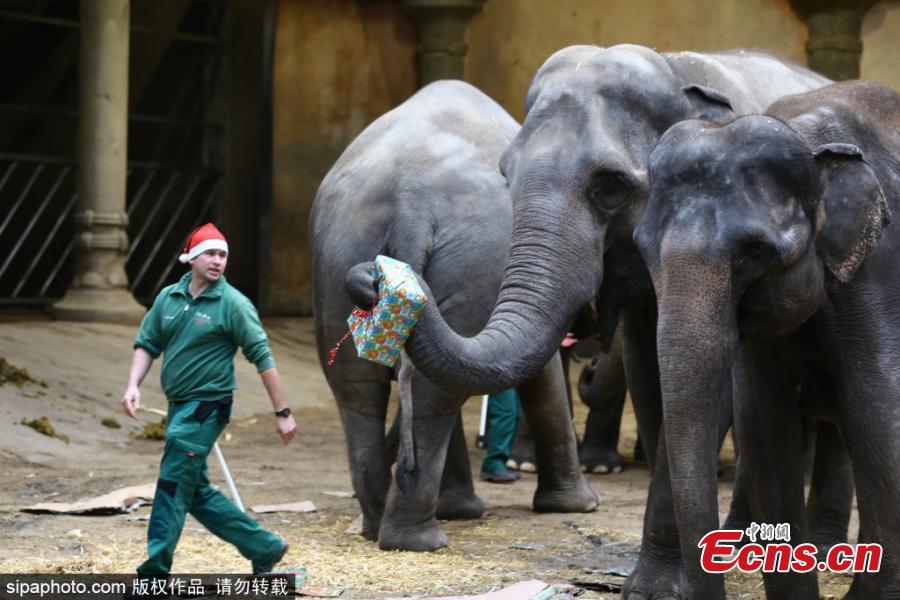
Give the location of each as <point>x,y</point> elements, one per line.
<point>881,44</point>
<point>510,39</point>
<point>341,63</point>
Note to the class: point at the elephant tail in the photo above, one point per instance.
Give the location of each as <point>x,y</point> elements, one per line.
<point>407,441</point>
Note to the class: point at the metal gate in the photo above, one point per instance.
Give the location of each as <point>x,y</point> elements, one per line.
<point>176,137</point>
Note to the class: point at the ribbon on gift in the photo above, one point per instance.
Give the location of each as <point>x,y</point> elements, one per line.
<point>380,333</point>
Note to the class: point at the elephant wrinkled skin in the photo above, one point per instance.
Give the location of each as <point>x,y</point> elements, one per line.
<point>577,171</point>
<point>767,243</point>
<point>421,185</point>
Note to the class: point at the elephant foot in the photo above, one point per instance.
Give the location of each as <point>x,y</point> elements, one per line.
<point>825,540</point>
<point>655,579</point>
<point>601,461</point>
<point>736,520</point>
<point>370,529</point>
<point>425,537</point>
<point>454,506</point>
<point>580,499</point>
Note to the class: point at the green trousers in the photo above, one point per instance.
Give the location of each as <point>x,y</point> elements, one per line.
<point>503,417</point>
<point>184,487</point>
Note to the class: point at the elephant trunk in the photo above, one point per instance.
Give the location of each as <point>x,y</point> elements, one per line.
<point>552,269</point>
<point>696,340</point>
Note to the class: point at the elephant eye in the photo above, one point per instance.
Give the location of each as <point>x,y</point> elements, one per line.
<point>608,190</point>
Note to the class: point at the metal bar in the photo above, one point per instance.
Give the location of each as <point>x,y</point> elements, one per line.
<point>138,29</point>
<point>62,259</point>
<point>152,215</point>
<point>24,303</point>
<point>25,190</point>
<point>11,15</point>
<point>140,193</point>
<point>134,117</point>
<point>203,210</point>
<point>165,234</point>
<point>183,36</point>
<point>38,110</point>
<point>34,219</point>
<point>8,174</point>
<point>63,216</point>
<point>176,121</point>
<point>34,158</point>
<point>137,164</point>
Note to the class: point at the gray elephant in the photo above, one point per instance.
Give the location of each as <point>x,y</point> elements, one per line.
<point>577,171</point>
<point>762,240</point>
<point>602,387</point>
<point>421,184</point>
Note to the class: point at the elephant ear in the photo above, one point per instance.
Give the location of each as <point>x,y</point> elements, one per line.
<point>851,210</point>
<point>708,104</point>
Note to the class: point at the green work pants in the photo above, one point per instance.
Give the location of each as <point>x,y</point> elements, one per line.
<point>184,487</point>
<point>503,417</point>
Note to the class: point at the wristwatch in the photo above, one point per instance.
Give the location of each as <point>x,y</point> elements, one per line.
<point>284,412</point>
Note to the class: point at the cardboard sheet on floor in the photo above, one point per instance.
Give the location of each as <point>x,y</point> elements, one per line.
<point>533,589</point>
<point>305,506</point>
<point>118,502</point>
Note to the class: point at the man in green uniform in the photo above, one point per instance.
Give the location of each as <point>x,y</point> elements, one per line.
<point>197,325</point>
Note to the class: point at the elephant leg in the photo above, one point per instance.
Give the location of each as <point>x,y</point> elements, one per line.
<point>457,498</point>
<point>409,521</point>
<point>769,434</point>
<point>642,373</point>
<point>602,386</point>
<point>831,490</point>
<point>522,457</point>
<point>561,484</point>
<point>872,433</point>
<point>659,572</point>
<point>363,407</point>
<point>739,510</point>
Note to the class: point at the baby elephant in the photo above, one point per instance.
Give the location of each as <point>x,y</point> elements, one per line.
<point>775,271</point>
<point>421,184</point>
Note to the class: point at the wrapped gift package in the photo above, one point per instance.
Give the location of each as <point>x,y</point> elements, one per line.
<point>379,336</point>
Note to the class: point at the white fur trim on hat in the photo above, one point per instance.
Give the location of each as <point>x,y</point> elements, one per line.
<point>203,247</point>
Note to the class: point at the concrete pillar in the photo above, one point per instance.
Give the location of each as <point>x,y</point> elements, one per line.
<point>834,46</point>
<point>442,25</point>
<point>99,288</point>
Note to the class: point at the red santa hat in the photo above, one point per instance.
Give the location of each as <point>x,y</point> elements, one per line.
<point>206,237</point>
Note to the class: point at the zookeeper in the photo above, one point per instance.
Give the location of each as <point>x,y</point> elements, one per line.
<point>197,325</point>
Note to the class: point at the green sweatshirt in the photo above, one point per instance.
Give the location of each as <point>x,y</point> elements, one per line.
<point>199,337</point>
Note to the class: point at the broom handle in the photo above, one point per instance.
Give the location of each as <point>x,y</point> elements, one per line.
<point>482,426</point>
<point>231,487</point>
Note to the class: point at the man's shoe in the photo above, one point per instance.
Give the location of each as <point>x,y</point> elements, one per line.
<point>266,566</point>
<point>502,476</point>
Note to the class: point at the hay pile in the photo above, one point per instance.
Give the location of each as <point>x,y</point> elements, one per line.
<point>18,377</point>
<point>482,558</point>
<point>152,431</point>
<point>44,426</point>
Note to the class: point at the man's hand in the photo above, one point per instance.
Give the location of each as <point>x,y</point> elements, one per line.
<point>286,428</point>
<point>131,401</point>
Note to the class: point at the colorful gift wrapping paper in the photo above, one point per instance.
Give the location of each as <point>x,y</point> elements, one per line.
<point>381,334</point>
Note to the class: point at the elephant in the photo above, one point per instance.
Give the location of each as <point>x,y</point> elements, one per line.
<point>577,171</point>
<point>601,386</point>
<point>767,245</point>
<point>421,184</point>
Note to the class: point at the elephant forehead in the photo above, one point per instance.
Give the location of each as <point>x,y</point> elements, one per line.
<point>623,70</point>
